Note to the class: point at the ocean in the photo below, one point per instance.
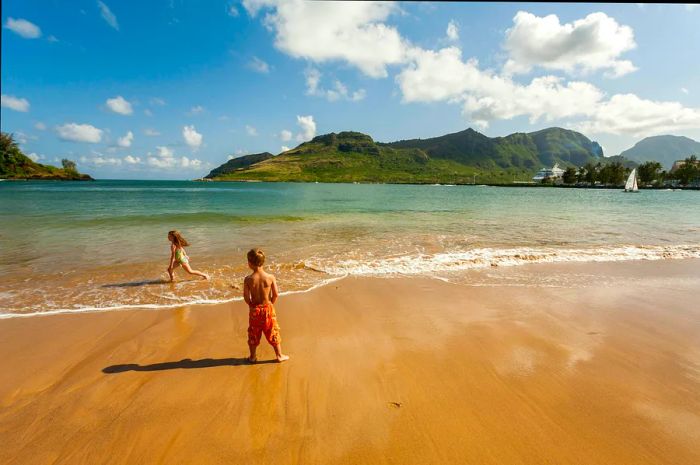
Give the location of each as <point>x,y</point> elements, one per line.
<point>87,246</point>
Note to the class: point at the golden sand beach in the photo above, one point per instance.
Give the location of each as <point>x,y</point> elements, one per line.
<point>395,370</point>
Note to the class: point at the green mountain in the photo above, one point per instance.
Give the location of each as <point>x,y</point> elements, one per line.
<point>16,165</point>
<point>453,158</point>
<point>237,163</point>
<point>664,149</point>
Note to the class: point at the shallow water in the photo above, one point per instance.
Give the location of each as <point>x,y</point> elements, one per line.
<point>102,244</point>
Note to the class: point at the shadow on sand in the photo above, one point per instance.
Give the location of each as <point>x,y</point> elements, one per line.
<point>186,363</point>
<point>151,282</point>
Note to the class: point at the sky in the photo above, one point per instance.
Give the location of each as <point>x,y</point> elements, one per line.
<point>172,89</point>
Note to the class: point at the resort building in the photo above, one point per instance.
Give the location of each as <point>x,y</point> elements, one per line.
<point>679,163</point>
<point>548,173</point>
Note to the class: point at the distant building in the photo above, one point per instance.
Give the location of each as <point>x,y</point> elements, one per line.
<point>678,163</point>
<point>548,173</point>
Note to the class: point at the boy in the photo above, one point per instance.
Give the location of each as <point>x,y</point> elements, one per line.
<point>260,293</point>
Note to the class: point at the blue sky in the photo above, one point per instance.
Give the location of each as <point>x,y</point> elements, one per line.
<point>169,90</point>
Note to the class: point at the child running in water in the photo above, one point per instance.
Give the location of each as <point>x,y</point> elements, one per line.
<point>260,293</point>
<point>178,256</point>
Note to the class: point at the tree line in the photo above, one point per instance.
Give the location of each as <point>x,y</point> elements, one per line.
<point>649,173</point>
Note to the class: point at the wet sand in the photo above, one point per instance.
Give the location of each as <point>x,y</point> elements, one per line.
<point>400,371</point>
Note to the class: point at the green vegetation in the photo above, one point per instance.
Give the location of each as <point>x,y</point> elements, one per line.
<point>689,171</point>
<point>16,165</point>
<point>664,149</point>
<point>458,158</point>
<point>237,163</point>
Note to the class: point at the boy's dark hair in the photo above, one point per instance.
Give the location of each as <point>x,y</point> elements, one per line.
<point>256,257</point>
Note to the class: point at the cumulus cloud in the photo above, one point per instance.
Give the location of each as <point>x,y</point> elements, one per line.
<point>251,131</point>
<point>196,110</point>
<point>589,44</point>
<point>684,90</point>
<point>79,133</point>
<point>452,31</point>
<point>119,105</point>
<point>23,28</point>
<point>150,132</point>
<point>258,65</point>
<point>126,140</point>
<point>284,148</point>
<point>192,137</point>
<point>351,32</point>
<point>337,92</point>
<point>98,159</point>
<point>40,126</point>
<point>131,160</point>
<point>165,158</point>
<point>35,157</point>
<point>285,135</point>
<point>629,114</point>
<point>14,103</point>
<point>107,15</point>
<point>307,127</point>
<point>231,10</point>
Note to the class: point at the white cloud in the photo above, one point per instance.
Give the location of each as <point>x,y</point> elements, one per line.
<point>107,15</point>
<point>589,44</point>
<point>165,158</point>
<point>231,10</point>
<point>119,105</point>
<point>251,131</point>
<point>35,157</point>
<point>307,127</point>
<point>40,126</point>
<point>337,92</point>
<point>52,38</point>
<point>629,114</point>
<point>452,31</point>
<point>192,137</point>
<point>131,160</point>
<point>79,133</point>
<point>155,101</point>
<point>285,135</point>
<point>196,110</point>
<point>258,65</point>
<point>14,103</point>
<point>147,112</point>
<point>126,140</point>
<point>284,148</point>
<point>99,159</point>
<point>151,132</point>
<point>684,90</point>
<point>23,28</point>
<point>352,32</point>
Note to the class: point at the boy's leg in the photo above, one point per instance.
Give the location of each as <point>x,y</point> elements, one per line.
<point>272,334</point>
<point>254,334</point>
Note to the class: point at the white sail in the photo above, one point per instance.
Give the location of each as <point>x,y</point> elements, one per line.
<point>631,184</point>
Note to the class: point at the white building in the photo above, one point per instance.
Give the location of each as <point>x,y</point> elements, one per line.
<point>552,173</point>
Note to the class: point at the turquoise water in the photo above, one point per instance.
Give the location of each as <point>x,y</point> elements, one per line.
<point>73,245</point>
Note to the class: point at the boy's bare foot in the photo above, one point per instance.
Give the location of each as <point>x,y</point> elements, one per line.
<point>282,358</point>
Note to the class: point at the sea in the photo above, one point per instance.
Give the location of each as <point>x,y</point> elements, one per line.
<point>99,246</point>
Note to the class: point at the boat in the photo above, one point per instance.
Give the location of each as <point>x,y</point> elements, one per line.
<point>631,184</point>
<point>548,173</point>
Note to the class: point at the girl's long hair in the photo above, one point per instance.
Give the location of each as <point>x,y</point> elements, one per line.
<point>177,238</point>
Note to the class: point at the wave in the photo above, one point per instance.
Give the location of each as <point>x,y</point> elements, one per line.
<point>492,257</point>
<point>188,218</point>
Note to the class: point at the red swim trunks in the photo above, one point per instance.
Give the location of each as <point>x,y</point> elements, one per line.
<point>262,319</point>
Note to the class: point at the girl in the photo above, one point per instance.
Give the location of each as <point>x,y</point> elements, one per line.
<point>178,256</point>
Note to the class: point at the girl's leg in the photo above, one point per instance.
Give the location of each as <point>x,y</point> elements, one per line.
<point>189,269</point>
<point>171,273</point>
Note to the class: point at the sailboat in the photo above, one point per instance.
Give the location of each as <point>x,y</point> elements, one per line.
<point>631,184</point>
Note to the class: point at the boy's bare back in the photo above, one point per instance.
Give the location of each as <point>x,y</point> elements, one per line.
<point>260,288</point>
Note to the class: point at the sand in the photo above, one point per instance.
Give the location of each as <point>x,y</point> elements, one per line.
<point>401,371</point>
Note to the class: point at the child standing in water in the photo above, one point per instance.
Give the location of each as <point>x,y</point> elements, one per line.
<point>178,256</point>
<point>260,293</point>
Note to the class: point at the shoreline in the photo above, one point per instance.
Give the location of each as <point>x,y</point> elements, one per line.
<point>400,370</point>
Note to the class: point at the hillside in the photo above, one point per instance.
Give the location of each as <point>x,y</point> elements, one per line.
<point>664,149</point>
<point>355,157</point>
<point>16,165</point>
<point>238,163</point>
<point>527,151</point>
<point>453,158</point>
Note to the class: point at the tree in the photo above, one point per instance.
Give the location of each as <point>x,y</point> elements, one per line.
<point>590,174</point>
<point>569,176</point>
<point>649,172</point>
<point>69,165</point>
<point>689,171</point>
